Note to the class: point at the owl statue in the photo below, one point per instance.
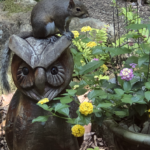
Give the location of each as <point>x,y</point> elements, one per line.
<point>40,69</point>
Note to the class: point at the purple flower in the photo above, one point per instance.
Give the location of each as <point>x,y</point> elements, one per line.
<point>133,65</point>
<point>95,59</point>
<point>126,74</point>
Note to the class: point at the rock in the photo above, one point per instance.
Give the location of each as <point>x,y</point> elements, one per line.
<point>134,128</point>
<point>123,125</point>
<point>146,128</point>
<point>77,24</point>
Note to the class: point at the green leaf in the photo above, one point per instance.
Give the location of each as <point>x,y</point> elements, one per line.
<point>86,40</point>
<point>127,99</point>
<point>147,85</point>
<point>140,109</point>
<point>147,95</point>
<point>136,26</point>
<point>104,105</point>
<point>60,106</point>
<point>65,99</point>
<point>45,107</point>
<point>97,50</point>
<point>40,119</point>
<point>143,59</point>
<point>117,51</point>
<point>64,111</point>
<point>121,113</point>
<point>91,66</point>
<point>127,86</point>
<point>71,92</point>
<point>137,85</point>
<point>131,60</point>
<point>95,93</point>
<point>71,121</point>
<point>119,92</point>
<point>138,99</point>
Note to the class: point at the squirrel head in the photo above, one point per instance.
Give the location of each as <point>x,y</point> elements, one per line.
<point>77,9</point>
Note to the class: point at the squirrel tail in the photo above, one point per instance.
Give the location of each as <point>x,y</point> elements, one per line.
<point>5,59</point>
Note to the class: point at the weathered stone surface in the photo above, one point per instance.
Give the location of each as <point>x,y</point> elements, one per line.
<point>134,128</point>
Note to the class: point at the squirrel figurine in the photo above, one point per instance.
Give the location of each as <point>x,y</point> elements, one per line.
<point>48,18</point>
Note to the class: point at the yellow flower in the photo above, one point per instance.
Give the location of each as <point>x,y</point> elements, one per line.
<point>149,110</point>
<point>76,34</point>
<point>86,28</point>
<point>103,77</point>
<point>91,44</point>
<point>43,101</point>
<point>104,67</point>
<point>78,130</point>
<point>86,108</point>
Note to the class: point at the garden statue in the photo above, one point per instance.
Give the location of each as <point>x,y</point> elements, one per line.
<point>40,70</point>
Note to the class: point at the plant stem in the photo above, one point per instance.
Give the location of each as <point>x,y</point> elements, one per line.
<point>148,67</point>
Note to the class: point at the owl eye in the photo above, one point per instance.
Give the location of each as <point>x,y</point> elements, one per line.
<point>54,70</point>
<point>78,9</point>
<point>25,70</point>
<point>25,76</point>
<point>56,74</point>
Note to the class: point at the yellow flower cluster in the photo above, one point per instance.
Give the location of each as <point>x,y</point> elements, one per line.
<point>104,67</point>
<point>91,44</point>
<point>86,28</point>
<point>76,34</point>
<point>100,77</point>
<point>43,101</point>
<point>78,130</point>
<point>86,108</point>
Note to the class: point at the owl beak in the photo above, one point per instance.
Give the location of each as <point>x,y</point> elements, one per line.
<point>40,79</point>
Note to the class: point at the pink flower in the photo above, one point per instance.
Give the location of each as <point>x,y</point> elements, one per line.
<point>126,74</point>
<point>133,65</point>
<point>95,59</point>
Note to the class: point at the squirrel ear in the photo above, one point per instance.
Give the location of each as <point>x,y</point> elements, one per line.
<point>71,4</point>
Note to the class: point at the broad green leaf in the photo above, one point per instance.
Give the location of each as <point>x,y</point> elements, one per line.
<point>138,99</point>
<point>137,85</point>
<point>97,50</point>
<point>64,111</point>
<point>71,121</point>
<point>147,85</point>
<point>121,113</point>
<point>117,51</point>
<point>71,92</point>
<point>40,119</point>
<point>60,106</point>
<point>140,109</point>
<point>91,66</point>
<point>143,59</point>
<point>147,95</point>
<point>127,99</point>
<point>127,86</point>
<point>136,26</point>
<point>98,114</point>
<point>44,106</point>
<point>86,40</point>
<point>119,92</point>
<point>81,91</point>
<point>131,60</point>
<point>65,99</point>
<point>95,93</point>
<point>104,105</point>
